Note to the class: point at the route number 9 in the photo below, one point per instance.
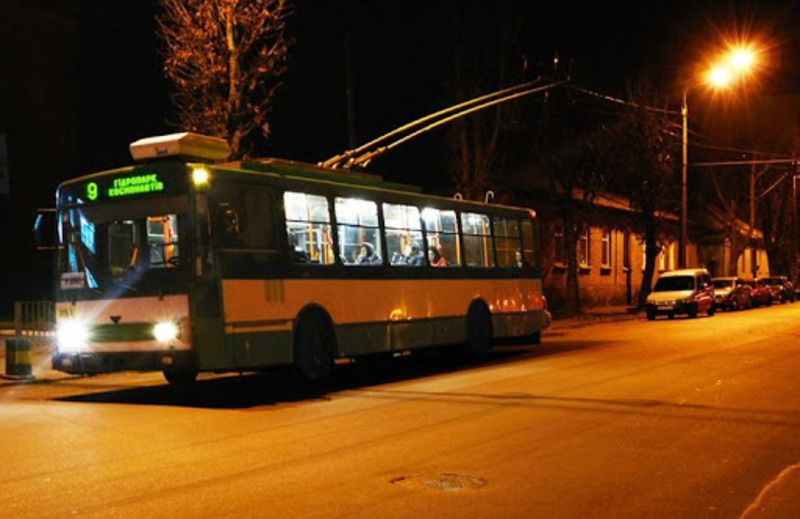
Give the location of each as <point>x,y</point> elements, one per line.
<point>91,191</point>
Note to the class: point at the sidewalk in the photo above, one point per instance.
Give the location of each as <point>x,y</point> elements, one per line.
<point>597,315</point>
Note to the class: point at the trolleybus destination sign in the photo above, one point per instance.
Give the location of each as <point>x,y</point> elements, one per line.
<point>125,186</point>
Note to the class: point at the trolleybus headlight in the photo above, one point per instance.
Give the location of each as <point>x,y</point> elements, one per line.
<point>72,336</point>
<point>166,331</point>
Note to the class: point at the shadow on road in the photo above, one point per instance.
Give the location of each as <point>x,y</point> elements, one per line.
<point>285,386</point>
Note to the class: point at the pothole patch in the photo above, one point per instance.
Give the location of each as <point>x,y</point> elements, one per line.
<point>443,481</point>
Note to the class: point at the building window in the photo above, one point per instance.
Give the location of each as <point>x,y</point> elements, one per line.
<point>583,248</point>
<point>560,246</point>
<point>605,241</point>
<point>626,250</point>
<point>662,259</point>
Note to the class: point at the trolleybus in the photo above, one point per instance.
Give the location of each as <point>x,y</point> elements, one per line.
<point>184,265</point>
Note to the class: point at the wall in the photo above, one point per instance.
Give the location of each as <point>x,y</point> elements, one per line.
<point>618,282</point>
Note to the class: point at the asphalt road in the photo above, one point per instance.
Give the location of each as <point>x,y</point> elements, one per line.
<point>683,418</point>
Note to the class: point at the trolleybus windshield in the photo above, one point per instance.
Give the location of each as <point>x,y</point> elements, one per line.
<point>122,245</point>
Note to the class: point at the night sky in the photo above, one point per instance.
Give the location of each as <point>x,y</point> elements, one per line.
<point>86,104</point>
<point>401,55</point>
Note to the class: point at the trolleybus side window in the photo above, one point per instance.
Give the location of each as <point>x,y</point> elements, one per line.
<point>441,228</point>
<point>359,234</point>
<point>529,253</point>
<point>163,241</point>
<point>308,228</point>
<point>403,231</point>
<point>244,226</point>
<point>507,242</point>
<point>478,247</point>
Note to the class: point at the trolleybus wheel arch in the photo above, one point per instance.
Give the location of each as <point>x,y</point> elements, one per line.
<point>479,328</point>
<point>314,346</point>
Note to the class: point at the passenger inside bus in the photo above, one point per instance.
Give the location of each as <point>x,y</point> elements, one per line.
<point>435,257</point>
<point>368,256</point>
<point>410,256</point>
<point>299,255</point>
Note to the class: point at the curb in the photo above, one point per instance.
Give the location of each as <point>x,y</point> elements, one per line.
<point>589,319</point>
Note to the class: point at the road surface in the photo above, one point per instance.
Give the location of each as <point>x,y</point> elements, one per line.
<point>683,418</point>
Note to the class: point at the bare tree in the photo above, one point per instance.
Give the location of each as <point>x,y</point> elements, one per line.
<point>225,59</point>
<point>775,214</point>
<point>485,59</point>
<point>642,156</point>
<point>569,145</point>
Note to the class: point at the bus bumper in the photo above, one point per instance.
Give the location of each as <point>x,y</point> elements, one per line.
<point>94,363</point>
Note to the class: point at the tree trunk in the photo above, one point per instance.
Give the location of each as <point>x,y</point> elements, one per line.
<point>651,252</point>
<point>572,303</point>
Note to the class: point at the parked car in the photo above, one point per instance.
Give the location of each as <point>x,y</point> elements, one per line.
<point>731,293</point>
<point>686,291</point>
<point>782,288</point>
<point>760,293</point>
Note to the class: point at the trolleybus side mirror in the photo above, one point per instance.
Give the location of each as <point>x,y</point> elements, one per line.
<point>44,229</point>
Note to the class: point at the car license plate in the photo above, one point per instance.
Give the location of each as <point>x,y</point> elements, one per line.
<point>666,307</point>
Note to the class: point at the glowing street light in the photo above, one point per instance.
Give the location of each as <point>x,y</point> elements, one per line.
<point>741,59</point>
<point>720,76</point>
<point>732,67</point>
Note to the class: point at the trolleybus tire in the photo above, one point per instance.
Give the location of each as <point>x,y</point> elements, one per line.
<point>180,378</point>
<point>314,345</point>
<point>479,328</point>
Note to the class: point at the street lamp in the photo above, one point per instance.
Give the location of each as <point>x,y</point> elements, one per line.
<point>737,62</point>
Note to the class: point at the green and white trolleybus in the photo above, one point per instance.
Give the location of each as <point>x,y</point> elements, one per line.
<point>184,265</point>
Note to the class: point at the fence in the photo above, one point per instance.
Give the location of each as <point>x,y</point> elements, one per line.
<point>34,318</point>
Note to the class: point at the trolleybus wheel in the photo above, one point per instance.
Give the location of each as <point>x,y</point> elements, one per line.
<point>314,346</point>
<point>479,328</point>
<point>180,378</point>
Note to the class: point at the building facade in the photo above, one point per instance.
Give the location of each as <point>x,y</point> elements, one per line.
<point>611,257</point>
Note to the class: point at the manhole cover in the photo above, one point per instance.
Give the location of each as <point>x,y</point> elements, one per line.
<point>446,481</point>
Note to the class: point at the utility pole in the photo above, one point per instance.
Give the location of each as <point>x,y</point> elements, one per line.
<point>795,244</point>
<point>350,88</point>
<point>682,236</point>
<point>753,251</point>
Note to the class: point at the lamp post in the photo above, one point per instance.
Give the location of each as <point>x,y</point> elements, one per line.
<point>684,165</point>
<point>795,243</point>
<point>736,63</point>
